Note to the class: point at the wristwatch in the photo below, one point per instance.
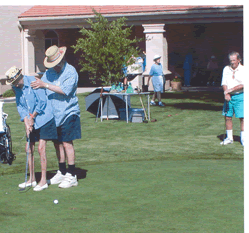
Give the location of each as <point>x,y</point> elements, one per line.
<point>47,86</point>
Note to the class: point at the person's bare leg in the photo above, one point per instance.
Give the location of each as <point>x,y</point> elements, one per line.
<point>70,153</point>
<point>125,83</point>
<point>60,152</point>
<point>159,96</point>
<point>229,123</point>
<point>31,161</point>
<point>242,124</point>
<point>43,158</point>
<point>154,96</point>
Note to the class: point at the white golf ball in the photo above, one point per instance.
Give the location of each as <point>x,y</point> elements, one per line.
<point>56,201</point>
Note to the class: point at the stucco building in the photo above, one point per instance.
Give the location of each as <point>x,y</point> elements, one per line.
<point>10,40</point>
<point>169,31</point>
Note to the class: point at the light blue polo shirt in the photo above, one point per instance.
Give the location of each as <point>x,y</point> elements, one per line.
<point>156,70</point>
<point>29,100</point>
<point>63,105</point>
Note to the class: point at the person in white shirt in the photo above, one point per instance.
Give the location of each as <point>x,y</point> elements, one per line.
<point>233,85</point>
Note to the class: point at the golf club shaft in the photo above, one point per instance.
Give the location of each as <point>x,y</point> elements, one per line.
<point>143,107</point>
<point>27,163</point>
<point>226,109</point>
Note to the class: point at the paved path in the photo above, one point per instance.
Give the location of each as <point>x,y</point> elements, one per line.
<point>90,89</point>
<point>194,89</point>
<point>85,89</point>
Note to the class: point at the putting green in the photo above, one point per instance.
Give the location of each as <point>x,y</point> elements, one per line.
<point>146,196</point>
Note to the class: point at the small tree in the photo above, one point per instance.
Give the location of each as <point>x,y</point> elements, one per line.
<point>106,49</point>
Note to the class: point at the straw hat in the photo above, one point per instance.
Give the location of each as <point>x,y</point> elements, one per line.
<point>54,55</point>
<point>156,57</point>
<point>13,74</point>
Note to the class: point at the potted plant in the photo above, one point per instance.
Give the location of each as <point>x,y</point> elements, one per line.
<point>176,83</point>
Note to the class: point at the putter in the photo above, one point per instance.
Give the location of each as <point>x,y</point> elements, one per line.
<point>226,109</point>
<point>27,162</point>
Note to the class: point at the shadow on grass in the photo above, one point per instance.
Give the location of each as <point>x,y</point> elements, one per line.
<point>214,96</point>
<point>223,136</point>
<point>193,106</point>
<point>80,173</point>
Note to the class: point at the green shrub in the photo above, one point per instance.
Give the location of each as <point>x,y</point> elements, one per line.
<point>9,93</point>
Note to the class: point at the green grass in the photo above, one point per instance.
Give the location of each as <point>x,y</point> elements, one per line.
<point>165,176</point>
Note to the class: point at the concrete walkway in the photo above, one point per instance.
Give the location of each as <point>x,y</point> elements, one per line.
<point>191,89</point>
<point>85,89</point>
<point>90,89</point>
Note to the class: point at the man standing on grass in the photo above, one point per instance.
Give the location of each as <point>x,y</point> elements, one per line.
<point>61,80</point>
<point>233,85</point>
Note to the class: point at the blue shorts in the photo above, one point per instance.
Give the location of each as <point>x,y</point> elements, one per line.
<point>46,132</point>
<point>69,130</point>
<point>234,106</point>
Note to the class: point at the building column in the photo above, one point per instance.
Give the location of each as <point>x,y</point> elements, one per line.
<point>156,44</point>
<point>28,52</point>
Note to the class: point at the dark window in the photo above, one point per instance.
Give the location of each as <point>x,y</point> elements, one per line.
<point>51,38</point>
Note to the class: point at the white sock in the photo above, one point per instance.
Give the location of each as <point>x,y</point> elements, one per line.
<point>230,134</point>
<point>242,135</point>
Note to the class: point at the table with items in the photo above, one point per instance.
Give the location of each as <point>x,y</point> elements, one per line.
<point>125,96</point>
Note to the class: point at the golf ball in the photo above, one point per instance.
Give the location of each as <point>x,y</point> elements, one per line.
<point>56,201</point>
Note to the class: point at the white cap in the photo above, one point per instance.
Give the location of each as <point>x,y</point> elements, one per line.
<point>156,57</point>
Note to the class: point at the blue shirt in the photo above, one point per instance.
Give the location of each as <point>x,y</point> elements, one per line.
<point>30,100</point>
<point>144,63</point>
<point>63,105</point>
<point>156,70</point>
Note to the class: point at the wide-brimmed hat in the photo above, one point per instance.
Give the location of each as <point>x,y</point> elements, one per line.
<point>54,55</point>
<point>13,74</point>
<point>156,57</point>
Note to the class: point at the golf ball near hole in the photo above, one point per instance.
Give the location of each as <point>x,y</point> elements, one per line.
<point>56,201</point>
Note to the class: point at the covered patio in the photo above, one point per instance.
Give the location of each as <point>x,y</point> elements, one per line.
<point>168,30</point>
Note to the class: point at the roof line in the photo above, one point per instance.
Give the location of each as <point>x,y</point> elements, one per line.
<point>216,10</point>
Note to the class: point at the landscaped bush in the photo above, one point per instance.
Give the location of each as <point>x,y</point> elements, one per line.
<point>9,93</point>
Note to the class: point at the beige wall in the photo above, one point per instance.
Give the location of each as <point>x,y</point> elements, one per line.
<point>10,40</point>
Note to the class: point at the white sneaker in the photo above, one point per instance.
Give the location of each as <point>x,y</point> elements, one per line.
<point>152,103</point>
<point>242,142</point>
<point>68,181</point>
<point>161,104</point>
<point>22,185</point>
<point>58,178</point>
<point>40,188</point>
<point>227,141</point>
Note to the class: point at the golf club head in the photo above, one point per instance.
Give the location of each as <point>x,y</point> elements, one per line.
<point>48,182</point>
<point>23,189</point>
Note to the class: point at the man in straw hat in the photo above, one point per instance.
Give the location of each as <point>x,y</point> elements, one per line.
<point>60,81</point>
<point>36,112</point>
